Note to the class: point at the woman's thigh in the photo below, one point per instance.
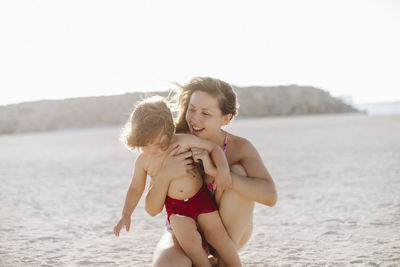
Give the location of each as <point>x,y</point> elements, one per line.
<point>246,235</point>
<point>168,252</point>
<point>236,212</point>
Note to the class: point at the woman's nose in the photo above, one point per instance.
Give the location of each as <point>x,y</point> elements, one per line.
<point>195,118</point>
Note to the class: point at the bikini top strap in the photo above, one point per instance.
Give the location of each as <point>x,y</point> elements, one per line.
<point>226,141</point>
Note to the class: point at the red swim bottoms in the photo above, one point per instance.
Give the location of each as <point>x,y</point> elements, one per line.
<point>201,202</point>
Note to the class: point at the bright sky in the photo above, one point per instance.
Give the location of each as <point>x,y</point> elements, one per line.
<point>58,49</point>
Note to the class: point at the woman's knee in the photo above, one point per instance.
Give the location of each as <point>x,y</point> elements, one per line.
<point>171,257</point>
<point>171,261</point>
<point>238,169</point>
<point>169,253</point>
<point>246,236</point>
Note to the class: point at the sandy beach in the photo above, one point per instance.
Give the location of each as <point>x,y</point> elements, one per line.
<point>337,176</point>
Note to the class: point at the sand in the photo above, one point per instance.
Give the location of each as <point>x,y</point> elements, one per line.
<point>337,176</point>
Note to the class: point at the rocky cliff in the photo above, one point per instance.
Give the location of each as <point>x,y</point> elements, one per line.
<point>114,110</point>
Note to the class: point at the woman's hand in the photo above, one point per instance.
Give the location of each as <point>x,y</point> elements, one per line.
<point>176,165</point>
<point>201,154</point>
<point>124,221</point>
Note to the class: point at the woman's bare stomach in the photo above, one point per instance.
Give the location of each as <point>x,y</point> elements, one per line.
<point>185,187</point>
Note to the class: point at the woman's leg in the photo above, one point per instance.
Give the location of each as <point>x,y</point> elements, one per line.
<point>185,231</point>
<point>236,212</point>
<point>247,234</point>
<point>169,253</point>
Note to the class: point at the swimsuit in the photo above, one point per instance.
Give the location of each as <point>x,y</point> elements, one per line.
<point>201,202</point>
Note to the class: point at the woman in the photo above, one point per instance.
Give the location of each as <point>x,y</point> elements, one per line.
<point>207,104</point>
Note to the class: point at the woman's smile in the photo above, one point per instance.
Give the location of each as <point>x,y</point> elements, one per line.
<point>196,130</point>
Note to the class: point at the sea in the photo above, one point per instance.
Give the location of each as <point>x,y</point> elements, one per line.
<point>384,108</point>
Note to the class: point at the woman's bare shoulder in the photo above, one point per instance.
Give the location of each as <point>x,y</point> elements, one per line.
<point>239,143</point>
<point>241,148</point>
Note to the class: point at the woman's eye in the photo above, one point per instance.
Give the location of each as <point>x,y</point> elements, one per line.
<point>205,114</point>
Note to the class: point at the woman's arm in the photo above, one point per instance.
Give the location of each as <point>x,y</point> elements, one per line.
<point>173,166</point>
<point>258,186</point>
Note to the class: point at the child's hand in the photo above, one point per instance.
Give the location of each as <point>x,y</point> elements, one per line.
<point>201,154</point>
<point>223,182</point>
<point>125,221</point>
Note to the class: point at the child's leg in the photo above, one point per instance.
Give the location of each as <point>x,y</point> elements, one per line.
<point>215,234</point>
<point>185,230</point>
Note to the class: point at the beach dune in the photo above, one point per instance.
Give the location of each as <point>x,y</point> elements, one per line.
<point>337,176</point>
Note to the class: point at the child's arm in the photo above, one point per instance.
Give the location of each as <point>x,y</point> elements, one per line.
<point>223,178</point>
<point>132,196</point>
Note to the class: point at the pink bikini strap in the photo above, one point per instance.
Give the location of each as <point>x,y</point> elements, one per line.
<point>226,141</point>
<point>210,187</point>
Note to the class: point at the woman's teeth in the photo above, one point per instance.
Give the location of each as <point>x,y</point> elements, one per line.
<point>197,129</point>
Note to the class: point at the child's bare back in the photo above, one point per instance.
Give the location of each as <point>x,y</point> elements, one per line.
<point>180,187</point>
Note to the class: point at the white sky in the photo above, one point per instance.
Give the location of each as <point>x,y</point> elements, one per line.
<point>57,49</point>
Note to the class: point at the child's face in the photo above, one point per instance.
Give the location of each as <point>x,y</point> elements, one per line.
<point>154,148</point>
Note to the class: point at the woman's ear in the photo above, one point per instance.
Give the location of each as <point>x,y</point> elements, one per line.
<point>226,119</point>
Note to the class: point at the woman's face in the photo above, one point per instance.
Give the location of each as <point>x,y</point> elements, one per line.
<point>204,116</point>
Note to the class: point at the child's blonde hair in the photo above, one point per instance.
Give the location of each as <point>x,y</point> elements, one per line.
<point>151,119</point>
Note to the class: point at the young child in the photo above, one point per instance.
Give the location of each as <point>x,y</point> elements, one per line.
<point>151,129</point>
